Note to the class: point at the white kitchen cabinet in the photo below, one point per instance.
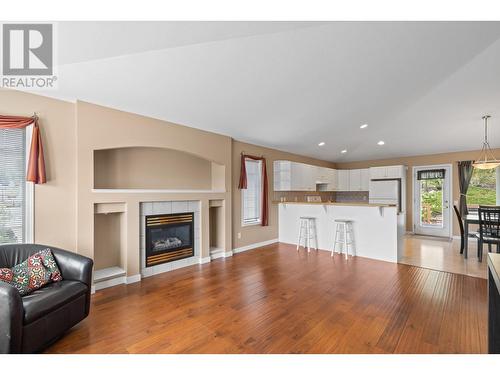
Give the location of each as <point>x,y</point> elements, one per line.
<point>355,180</point>
<point>321,175</point>
<point>291,176</point>
<point>327,181</point>
<point>359,179</point>
<point>393,171</point>
<point>332,179</point>
<point>365,179</point>
<point>378,173</point>
<point>282,175</point>
<point>343,180</point>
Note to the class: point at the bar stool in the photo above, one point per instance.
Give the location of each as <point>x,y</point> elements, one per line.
<point>307,232</point>
<point>344,235</point>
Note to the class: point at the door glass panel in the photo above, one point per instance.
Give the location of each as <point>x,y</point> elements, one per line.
<point>431,202</point>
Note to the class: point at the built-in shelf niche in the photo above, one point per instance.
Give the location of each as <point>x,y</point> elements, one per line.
<point>109,241</point>
<point>152,168</point>
<point>216,223</point>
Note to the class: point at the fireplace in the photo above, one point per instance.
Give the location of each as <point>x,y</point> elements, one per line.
<point>169,237</point>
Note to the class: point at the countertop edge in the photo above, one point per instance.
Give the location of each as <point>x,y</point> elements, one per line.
<point>355,204</point>
<point>494,267</point>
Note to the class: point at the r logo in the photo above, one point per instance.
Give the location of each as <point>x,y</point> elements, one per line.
<point>27,49</point>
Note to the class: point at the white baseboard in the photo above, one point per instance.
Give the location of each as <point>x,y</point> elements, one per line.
<point>459,238</point>
<point>133,279</point>
<point>216,255</point>
<point>221,254</point>
<point>254,246</point>
<point>115,281</point>
<point>109,283</point>
<point>205,260</point>
<point>452,237</point>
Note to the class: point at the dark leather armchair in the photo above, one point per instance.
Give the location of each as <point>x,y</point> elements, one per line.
<point>31,323</point>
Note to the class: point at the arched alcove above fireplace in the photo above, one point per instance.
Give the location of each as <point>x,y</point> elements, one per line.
<point>155,168</point>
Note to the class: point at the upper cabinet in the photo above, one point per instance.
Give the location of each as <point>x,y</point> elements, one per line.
<point>365,179</point>
<point>343,180</point>
<point>292,176</point>
<point>354,179</point>
<point>393,171</point>
<point>326,179</point>
<point>359,179</point>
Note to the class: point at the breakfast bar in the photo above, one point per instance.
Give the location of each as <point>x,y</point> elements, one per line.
<point>378,229</point>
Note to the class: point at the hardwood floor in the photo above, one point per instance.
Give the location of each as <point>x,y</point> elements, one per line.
<point>444,255</point>
<point>275,300</point>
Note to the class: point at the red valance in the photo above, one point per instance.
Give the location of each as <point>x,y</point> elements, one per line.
<point>36,164</point>
<point>264,191</point>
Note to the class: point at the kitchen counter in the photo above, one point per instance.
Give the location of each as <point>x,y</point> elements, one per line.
<point>378,229</point>
<point>362,204</point>
<point>493,303</point>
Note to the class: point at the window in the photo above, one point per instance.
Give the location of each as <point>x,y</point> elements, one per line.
<point>15,193</point>
<point>251,196</point>
<point>483,187</point>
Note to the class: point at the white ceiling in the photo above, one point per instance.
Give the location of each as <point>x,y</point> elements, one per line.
<point>421,86</point>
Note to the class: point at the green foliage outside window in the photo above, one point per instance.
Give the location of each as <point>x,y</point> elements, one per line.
<point>482,188</point>
<point>432,201</point>
<point>7,235</point>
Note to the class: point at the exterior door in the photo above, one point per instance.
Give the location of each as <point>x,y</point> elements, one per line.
<point>432,200</point>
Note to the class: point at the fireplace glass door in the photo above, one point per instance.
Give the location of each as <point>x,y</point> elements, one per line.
<point>169,238</point>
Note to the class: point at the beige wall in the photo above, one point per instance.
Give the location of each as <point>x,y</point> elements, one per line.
<point>104,128</point>
<point>150,168</point>
<point>107,241</point>
<point>217,227</point>
<point>423,160</point>
<point>256,233</point>
<point>55,201</point>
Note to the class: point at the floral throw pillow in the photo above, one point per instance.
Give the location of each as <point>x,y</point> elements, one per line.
<point>35,272</point>
<point>50,263</point>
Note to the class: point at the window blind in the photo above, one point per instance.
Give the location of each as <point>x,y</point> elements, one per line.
<point>12,185</point>
<point>252,194</point>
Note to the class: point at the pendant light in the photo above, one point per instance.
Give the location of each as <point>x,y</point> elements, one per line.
<point>486,159</point>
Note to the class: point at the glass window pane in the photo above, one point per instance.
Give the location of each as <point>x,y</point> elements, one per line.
<point>482,188</point>
<point>431,202</point>
<point>252,194</point>
<point>12,185</point>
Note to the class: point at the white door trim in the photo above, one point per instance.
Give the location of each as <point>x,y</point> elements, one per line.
<point>29,225</point>
<point>449,168</point>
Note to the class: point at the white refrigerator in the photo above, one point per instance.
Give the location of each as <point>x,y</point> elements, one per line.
<point>386,192</point>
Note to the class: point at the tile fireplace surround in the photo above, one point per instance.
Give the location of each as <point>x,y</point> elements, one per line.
<point>165,208</point>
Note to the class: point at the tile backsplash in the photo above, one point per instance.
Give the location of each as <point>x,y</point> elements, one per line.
<point>301,196</point>
<point>339,196</point>
<point>351,196</point>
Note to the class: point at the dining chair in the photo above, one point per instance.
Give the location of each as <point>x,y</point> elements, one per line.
<point>462,231</point>
<point>489,228</point>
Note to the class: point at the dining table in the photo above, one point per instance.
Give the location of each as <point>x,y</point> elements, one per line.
<point>470,219</point>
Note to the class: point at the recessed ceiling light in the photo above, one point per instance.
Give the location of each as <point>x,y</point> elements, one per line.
<point>381,143</point>
<point>364,126</point>
<point>343,151</point>
<point>321,144</point>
